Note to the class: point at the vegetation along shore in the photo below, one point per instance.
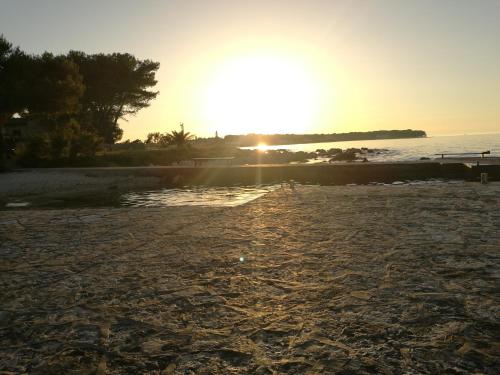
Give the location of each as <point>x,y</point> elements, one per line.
<point>71,116</point>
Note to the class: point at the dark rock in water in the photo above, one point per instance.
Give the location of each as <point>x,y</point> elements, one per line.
<point>321,151</point>
<point>353,149</point>
<point>345,156</point>
<point>425,158</point>
<point>334,151</point>
<point>366,150</point>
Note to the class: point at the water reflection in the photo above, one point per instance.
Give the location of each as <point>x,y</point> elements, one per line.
<point>196,196</point>
<point>406,149</point>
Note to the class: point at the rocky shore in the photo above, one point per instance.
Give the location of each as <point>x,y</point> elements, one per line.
<point>317,280</point>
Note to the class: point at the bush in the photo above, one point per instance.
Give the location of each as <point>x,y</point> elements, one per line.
<point>63,143</point>
<point>58,145</point>
<point>84,143</point>
<point>36,149</point>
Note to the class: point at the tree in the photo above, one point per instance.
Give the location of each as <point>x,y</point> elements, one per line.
<point>180,138</point>
<point>55,86</point>
<point>13,80</point>
<point>158,138</point>
<point>153,138</point>
<point>45,85</point>
<point>117,86</point>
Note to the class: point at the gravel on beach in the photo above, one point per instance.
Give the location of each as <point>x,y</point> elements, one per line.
<point>316,280</point>
<point>35,182</point>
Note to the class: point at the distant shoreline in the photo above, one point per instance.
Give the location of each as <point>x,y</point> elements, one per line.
<point>351,140</point>
<point>251,140</point>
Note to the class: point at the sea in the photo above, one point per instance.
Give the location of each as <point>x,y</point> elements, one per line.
<point>389,150</point>
<point>408,149</point>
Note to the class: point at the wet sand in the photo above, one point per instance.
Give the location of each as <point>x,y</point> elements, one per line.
<point>320,280</point>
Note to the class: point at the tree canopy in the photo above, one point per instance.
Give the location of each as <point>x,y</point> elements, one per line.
<point>117,85</point>
<point>29,84</point>
<point>13,81</point>
<point>35,85</point>
<point>76,99</point>
<point>97,89</point>
<point>55,86</point>
<point>180,138</point>
<point>177,138</point>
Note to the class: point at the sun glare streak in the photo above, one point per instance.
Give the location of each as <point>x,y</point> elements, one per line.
<point>261,94</point>
<point>261,147</point>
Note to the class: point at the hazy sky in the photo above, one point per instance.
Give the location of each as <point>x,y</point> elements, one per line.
<point>289,66</point>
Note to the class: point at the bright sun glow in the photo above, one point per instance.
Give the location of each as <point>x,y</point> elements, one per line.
<point>262,94</point>
<point>261,147</point>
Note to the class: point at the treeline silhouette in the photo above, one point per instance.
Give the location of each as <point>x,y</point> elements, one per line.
<point>287,139</point>
<point>69,107</point>
<point>72,101</point>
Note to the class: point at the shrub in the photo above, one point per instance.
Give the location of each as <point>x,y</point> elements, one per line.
<point>37,148</point>
<point>84,143</point>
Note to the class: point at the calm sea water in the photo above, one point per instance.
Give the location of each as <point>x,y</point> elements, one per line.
<point>196,196</point>
<point>412,148</point>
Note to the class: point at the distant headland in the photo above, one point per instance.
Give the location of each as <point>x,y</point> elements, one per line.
<point>249,140</point>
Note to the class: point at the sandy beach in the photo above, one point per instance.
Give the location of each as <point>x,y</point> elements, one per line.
<point>319,280</point>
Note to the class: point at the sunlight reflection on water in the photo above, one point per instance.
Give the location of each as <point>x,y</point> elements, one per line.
<point>196,196</point>
<point>406,149</point>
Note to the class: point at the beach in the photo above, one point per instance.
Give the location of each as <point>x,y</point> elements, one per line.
<point>27,183</point>
<point>316,280</point>
<point>84,187</point>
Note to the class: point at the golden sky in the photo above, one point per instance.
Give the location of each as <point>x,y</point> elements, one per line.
<point>290,66</point>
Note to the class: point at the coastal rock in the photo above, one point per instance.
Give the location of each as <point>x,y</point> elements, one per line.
<point>348,155</point>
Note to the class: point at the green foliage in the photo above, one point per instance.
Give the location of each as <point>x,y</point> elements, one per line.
<point>80,96</point>
<point>133,154</point>
<point>130,145</point>
<point>64,141</point>
<point>117,85</point>
<point>36,148</point>
<point>45,84</point>
<point>56,86</point>
<point>159,139</point>
<point>84,143</point>
<point>129,158</point>
<point>180,138</point>
<point>13,80</point>
<point>58,145</point>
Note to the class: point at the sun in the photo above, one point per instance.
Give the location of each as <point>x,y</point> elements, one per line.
<point>261,147</point>
<point>261,94</point>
